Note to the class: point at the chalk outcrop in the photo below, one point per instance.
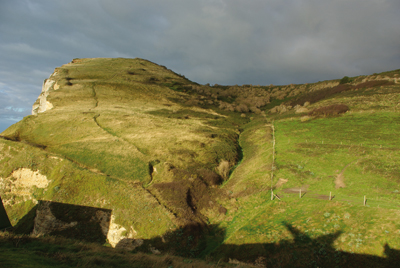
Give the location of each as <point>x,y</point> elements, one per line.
<point>116,238</point>
<point>42,104</point>
<point>22,183</point>
<point>26,177</point>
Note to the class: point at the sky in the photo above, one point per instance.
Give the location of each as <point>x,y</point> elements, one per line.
<point>225,42</point>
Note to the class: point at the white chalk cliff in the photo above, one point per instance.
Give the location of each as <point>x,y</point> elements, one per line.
<point>42,104</point>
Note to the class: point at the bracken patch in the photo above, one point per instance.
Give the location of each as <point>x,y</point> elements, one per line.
<point>334,109</point>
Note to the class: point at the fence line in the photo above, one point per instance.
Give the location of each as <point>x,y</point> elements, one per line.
<point>363,200</point>
<point>273,159</point>
<point>273,168</point>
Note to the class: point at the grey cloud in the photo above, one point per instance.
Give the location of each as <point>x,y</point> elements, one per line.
<point>211,41</point>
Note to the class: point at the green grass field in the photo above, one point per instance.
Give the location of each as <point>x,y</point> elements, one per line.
<point>310,155</point>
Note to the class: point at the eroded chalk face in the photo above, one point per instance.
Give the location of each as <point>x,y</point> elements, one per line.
<point>42,104</point>
<point>22,183</point>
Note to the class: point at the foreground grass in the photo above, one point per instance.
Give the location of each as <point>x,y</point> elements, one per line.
<point>26,251</point>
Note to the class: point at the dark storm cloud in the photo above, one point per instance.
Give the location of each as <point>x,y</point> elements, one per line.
<point>210,41</point>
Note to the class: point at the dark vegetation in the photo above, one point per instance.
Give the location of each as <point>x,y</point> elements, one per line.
<point>68,81</point>
<point>189,196</point>
<point>321,94</point>
<point>209,177</point>
<point>345,80</point>
<point>330,110</point>
<point>330,92</point>
<point>60,252</point>
<point>372,84</point>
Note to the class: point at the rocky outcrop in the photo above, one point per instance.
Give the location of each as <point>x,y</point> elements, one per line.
<point>42,104</point>
<point>21,184</point>
<point>117,239</point>
<point>29,178</point>
<point>115,232</point>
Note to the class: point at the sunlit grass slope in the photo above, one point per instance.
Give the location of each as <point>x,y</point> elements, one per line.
<point>122,131</point>
<point>349,157</point>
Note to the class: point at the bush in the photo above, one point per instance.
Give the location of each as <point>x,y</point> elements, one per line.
<point>345,80</point>
<point>242,108</point>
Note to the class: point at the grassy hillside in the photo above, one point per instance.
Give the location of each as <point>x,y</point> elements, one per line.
<point>313,230</point>
<point>188,168</point>
<point>345,156</point>
<point>122,124</point>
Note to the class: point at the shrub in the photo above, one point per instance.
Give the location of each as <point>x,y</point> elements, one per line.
<point>345,80</point>
<point>242,108</point>
<point>255,110</point>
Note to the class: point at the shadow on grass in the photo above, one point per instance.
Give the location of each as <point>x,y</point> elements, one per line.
<point>89,224</point>
<point>4,220</point>
<point>197,240</point>
<point>301,251</point>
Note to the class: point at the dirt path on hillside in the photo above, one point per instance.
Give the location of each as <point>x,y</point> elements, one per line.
<point>296,190</point>
<point>320,196</point>
<point>339,180</point>
<point>280,183</point>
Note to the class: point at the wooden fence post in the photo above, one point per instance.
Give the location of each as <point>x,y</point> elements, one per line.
<point>330,196</point>
<point>365,200</point>
<point>273,159</point>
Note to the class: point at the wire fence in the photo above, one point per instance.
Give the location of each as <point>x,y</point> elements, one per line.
<point>376,202</point>
<point>362,200</point>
